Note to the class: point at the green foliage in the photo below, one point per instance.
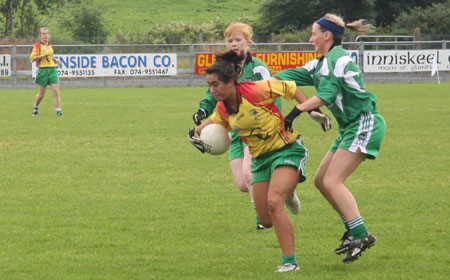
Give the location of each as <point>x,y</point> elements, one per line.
<point>131,21</point>
<point>431,20</point>
<point>84,20</point>
<point>346,8</point>
<point>113,190</point>
<point>7,8</point>
<point>387,11</point>
<point>180,32</point>
<point>279,14</point>
<point>292,35</point>
<point>299,14</point>
<point>28,16</point>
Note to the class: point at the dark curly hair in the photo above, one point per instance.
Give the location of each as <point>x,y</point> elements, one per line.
<point>227,66</point>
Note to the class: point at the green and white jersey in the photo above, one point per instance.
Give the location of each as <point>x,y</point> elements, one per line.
<point>339,83</point>
<point>253,70</point>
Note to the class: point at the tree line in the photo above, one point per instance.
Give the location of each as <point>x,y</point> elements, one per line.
<point>81,18</point>
<point>432,17</point>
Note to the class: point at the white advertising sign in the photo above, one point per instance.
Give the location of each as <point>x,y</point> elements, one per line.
<point>354,54</point>
<point>405,60</point>
<point>107,65</point>
<point>5,65</point>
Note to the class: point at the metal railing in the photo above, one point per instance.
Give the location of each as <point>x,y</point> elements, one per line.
<point>378,37</point>
<point>21,67</point>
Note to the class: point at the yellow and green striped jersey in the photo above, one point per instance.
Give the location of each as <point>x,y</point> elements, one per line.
<point>258,121</point>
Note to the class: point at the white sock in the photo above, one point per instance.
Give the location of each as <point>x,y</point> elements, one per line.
<point>250,192</point>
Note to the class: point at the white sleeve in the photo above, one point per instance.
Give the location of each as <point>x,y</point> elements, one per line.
<point>263,71</point>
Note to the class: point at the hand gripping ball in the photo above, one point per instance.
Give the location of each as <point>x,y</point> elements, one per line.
<point>216,139</point>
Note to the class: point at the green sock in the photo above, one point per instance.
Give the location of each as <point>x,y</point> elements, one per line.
<point>358,228</point>
<point>289,259</point>
<point>291,197</point>
<point>345,223</point>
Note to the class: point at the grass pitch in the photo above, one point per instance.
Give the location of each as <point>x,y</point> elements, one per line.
<point>113,190</point>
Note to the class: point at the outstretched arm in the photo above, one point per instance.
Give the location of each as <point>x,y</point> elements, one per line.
<point>300,96</point>
<point>312,106</point>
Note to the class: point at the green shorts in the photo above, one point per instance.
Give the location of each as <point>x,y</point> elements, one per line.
<point>47,76</point>
<point>236,147</point>
<point>294,154</point>
<point>366,134</point>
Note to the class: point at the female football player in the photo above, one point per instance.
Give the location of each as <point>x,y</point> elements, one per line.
<point>278,155</point>
<point>47,75</point>
<point>340,86</point>
<point>238,37</point>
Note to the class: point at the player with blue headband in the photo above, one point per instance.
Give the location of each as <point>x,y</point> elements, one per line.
<point>340,86</point>
<point>331,26</point>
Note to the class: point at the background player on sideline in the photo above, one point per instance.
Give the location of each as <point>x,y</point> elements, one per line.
<point>47,75</point>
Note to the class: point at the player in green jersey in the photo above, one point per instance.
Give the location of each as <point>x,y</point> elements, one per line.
<point>340,86</point>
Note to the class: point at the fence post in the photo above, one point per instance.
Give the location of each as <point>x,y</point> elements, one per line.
<point>105,80</point>
<point>416,34</point>
<point>14,67</point>
<point>361,56</point>
<point>191,63</point>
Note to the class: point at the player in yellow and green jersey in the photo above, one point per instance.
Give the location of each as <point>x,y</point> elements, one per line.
<point>278,155</point>
<point>238,37</point>
<point>47,75</point>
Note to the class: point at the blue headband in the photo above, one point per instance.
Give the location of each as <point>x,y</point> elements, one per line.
<point>330,26</point>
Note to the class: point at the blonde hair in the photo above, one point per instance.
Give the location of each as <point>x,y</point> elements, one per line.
<point>42,29</point>
<point>357,25</point>
<point>240,27</point>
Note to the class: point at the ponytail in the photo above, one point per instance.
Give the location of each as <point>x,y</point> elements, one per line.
<point>359,26</point>
<point>227,66</point>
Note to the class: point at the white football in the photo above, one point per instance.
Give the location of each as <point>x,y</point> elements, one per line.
<point>216,139</point>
